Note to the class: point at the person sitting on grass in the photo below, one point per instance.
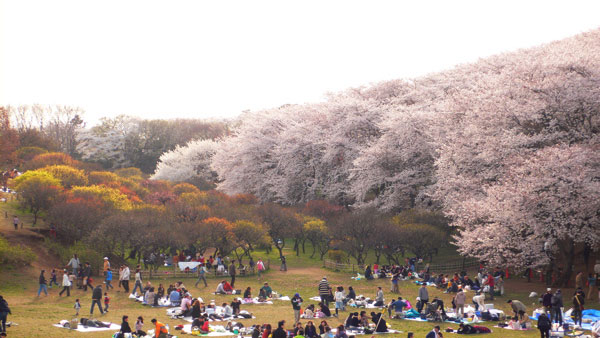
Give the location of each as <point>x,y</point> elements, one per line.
<point>352,322</point>
<point>267,290</point>
<point>322,327</point>
<point>160,330</point>
<point>248,294</point>
<point>381,324</point>
<point>341,332</point>
<point>175,297</point>
<point>310,331</point>
<point>227,287</point>
<point>309,312</point>
<point>221,288</point>
<point>324,309</point>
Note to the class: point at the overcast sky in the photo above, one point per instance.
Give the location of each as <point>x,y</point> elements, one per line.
<point>164,59</point>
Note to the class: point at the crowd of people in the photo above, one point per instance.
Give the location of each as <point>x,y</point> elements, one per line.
<point>486,285</point>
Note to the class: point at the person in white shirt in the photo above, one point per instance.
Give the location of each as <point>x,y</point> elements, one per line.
<point>338,297</point>
<point>479,301</point>
<point>125,278</point>
<point>74,264</point>
<point>186,305</point>
<point>138,281</point>
<point>66,283</point>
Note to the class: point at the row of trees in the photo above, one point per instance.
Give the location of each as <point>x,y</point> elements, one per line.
<point>118,142</point>
<point>506,147</point>
<point>125,214</point>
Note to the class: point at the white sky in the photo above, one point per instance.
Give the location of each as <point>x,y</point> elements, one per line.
<point>164,59</point>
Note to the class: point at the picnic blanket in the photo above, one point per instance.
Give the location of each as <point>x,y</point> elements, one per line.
<point>589,317</point>
<point>362,332</point>
<point>81,328</point>
<point>162,302</point>
<point>254,301</point>
<point>173,313</point>
<point>216,331</point>
<point>191,265</point>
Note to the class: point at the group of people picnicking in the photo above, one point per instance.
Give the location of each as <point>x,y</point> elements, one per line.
<point>177,295</point>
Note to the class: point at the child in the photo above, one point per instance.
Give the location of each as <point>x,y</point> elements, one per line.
<point>77,307</point>
<point>106,301</point>
<point>53,278</point>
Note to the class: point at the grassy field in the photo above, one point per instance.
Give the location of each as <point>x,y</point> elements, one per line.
<point>35,316</point>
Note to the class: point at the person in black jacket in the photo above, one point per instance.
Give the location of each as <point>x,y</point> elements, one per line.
<point>557,304</point>
<point>310,330</point>
<point>297,306</point>
<point>280,331</point>
<point>544,325</point>
<point>377,318</point>
<point>87,273</point>
<point>125,328</point>
<point>325,309</point>
<point>43,284</point>
<point>547,300</point>
<point>4,311</point>
<point>578,302</point>
<point>256,331</point>
<point>96,299</point>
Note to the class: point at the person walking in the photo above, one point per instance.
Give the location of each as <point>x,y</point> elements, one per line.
<point>125,278</point>
<point>87,273</point>
<point>96,299</point>
<point>77,307</point>
<point>544,325</point>
<point>324,291</point>
<point>260,267</point>
<point>108,278</point>
<point>232,272</point>
<point>66,284</point>
<point>106,265</point>
<point>296,306</point>
<point>74,264</point>
<point>43,284</point>
<point>4,312</point>
<point>16,222</point>
<point>53,278</point>
<point>201,275</point>
<point>591,286</point>
<point>138,281</point>
<point>107,301</point>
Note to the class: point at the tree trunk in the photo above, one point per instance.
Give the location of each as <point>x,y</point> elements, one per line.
<point>297,247</point>
<point>303,248</point>
<point>570,257</point>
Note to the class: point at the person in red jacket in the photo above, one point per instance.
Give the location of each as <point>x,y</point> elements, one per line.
<point>490,282</point>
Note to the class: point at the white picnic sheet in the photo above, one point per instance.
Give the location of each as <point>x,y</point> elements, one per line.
<point>172,313</point>
<point>219,333</point>
<point>191,265</point>
<point>254,301</point>
<point>81,328</point>
<point>361,332</point>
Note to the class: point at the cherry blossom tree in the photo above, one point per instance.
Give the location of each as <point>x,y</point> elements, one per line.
<point>188,162</point>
